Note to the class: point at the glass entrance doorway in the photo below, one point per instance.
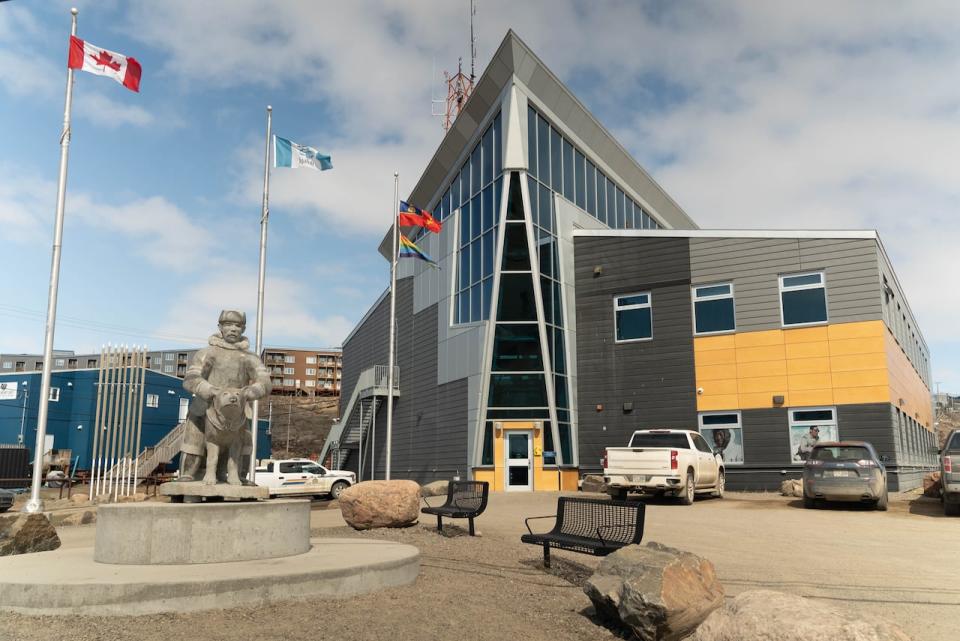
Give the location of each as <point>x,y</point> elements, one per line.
<point>519,461</point>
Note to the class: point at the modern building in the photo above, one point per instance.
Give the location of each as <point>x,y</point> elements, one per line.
<point>72,411</point>
<point>508,366</point>
<point>307,372</point>
<point>172,362</point>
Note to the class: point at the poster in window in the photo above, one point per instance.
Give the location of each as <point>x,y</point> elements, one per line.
<point>804,437</point>
<point>727,441</point>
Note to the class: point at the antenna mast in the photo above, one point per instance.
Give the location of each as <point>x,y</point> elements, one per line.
<point>459,86</point>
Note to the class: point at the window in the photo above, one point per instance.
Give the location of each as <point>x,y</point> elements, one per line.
<point>289,358</point>
<point>288,370</point>
<point>168,369</point>
<point>633,317</point>
<point>153,400</point>
<point>723,433</point>
<point>59,362</point>
<point>311,371</point>
<point>168,356</point>
<point>184,406</point>
<point>7,364</point>
<point>803,299</point>
<point>291,468</point>
<point>54,395</point>
<point>810,427</point>
<point>311,360</point>
<point>713,309</point>
<point>310,383</point>
<point>288,382</point>
<point>91,362</point>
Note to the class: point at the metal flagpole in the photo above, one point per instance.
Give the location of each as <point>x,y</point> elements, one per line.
<point>264,218</point>
<point>393,316</point>
<point>35,504</point>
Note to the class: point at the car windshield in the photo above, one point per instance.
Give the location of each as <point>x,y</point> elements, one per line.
<point>663,439</point>
<point>954,443</point>
<point>845,453</point>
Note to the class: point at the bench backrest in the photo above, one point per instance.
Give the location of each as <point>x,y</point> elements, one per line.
<point>468,495</point>
<point>619,521</point>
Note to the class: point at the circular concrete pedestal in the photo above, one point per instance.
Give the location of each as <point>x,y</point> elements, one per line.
<point>187,533</point>
<point>70,582</point>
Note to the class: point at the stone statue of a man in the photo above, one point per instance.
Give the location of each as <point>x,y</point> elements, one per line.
<point>223,372</point>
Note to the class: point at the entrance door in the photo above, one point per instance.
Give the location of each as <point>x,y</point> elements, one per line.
<point>519,463</point>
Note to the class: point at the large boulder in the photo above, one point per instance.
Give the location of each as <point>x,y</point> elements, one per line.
<point>932,485</point>
<point>660,593</point>
<point>593,483</point>
<point>763,615</point>
<point>373,504</point>
<point>792,487</point>
<point>24,533</point>
<point>437,488</point>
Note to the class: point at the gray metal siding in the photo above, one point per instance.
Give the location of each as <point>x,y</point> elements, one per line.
<point>429,420</point>
<point>657,376</point>
<point>754,265</point>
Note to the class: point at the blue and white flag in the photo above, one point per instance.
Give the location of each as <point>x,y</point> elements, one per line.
<point>290,154</point>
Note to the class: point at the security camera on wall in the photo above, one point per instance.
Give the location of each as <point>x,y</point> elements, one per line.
<point>699,390</point>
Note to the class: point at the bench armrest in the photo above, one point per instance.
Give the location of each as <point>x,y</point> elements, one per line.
<point>611,527</point>
<point>527,520</point>
<point>424,499</point>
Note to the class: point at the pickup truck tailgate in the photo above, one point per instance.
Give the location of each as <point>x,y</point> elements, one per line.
<point>638,460</point>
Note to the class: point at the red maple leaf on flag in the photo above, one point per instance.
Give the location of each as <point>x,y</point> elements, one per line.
<point>104,59</point>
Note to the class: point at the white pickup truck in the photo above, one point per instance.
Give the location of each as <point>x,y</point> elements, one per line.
<point>664,462</point>
<point>301,476</point>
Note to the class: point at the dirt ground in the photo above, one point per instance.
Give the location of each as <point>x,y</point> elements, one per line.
<point>900,565</point>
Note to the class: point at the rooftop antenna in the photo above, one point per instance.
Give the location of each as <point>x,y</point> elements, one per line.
<point>459,86</point>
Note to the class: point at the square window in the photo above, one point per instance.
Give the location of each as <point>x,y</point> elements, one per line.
<point>168,356</point>
<point>289,358</point>
<point>153,400</point>
<point>54,396</point>
<point>633,317</point>
<point>713,309</point>
<point>803,299</point>
<point>724,435</point>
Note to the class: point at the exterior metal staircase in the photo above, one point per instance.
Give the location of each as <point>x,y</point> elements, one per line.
<point>353,429</point>
<point>151,457</point>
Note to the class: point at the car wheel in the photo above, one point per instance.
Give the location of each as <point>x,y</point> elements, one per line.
<point>721,485</point>
<point>337,489</point>
<point>883,501</point>
<point>689,490</point>
<point>809,503</point>
<point>951,509</point>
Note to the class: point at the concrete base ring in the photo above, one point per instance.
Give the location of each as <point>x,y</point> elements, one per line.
<point>71,582</point>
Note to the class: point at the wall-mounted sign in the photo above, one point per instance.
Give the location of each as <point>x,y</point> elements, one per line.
<point>8,391</point>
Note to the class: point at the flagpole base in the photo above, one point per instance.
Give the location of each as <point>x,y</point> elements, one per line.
<point>33,506</point>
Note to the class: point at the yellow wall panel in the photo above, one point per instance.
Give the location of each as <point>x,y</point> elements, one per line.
<point>757,339</point>
<point>810,398</point>
<point>808,365</point>
<point>799,382</point>
<point>858,362</point>
<point>807,350</point>
<point>773,384</point>
<point>875,394</point>
<point>765,353</point>
<point>863,378</point>
<point>805,335</point>
<point>823,365</point>
<point>866,329</point>
<point>716,372</point>
<point>716,356</point>
<point>707,343</point>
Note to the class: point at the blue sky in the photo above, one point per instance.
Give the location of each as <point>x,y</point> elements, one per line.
<point>749,114</point>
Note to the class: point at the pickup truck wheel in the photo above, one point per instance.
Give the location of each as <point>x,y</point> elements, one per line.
<point>689,490</point>
<point>809,503</point>
<point>337,489</point>
<point>721,485</point>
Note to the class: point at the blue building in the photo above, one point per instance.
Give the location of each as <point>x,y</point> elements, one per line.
<point>73,407</point>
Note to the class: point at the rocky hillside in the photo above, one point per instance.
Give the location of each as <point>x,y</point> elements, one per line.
<point>306,420</point>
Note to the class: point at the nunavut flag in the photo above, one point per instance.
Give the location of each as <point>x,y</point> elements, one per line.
<point>411,216</point>
<point>87,57</point>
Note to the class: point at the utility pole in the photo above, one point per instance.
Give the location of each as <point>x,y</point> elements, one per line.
<point>289,416</point>
<point>23,410</point>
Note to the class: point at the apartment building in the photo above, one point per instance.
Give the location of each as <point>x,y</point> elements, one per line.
<point>296,371</point>
<point>170,362</point>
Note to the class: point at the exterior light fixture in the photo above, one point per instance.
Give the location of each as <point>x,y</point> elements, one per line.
<point>778,400</point>
<point>597,270</point>
<point>599,407</point>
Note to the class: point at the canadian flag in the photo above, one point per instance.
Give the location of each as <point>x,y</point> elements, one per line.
<point>87,57</point>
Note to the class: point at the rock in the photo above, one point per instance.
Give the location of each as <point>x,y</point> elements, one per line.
<point>24,533</point>
<point>75,517</point>
<point>932,485</point>
<point>792,487</point>
<point>79,498</point>
<point>660,593</point>
<point>373,504</point>
<point>437,488</point>
<point>593,483</point>
<point>760,615</point>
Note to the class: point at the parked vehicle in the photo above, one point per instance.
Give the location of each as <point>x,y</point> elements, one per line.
<point>845,471</point>
<point>6,499</point>
<point>950,474</point>
<point>664,462</point>
<point>298,477</point>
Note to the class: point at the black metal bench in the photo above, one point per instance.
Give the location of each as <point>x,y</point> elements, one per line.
<point>465,500</point>
<point>589,526</point>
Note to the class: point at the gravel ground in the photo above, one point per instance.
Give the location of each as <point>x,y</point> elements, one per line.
<point>899,565</point>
